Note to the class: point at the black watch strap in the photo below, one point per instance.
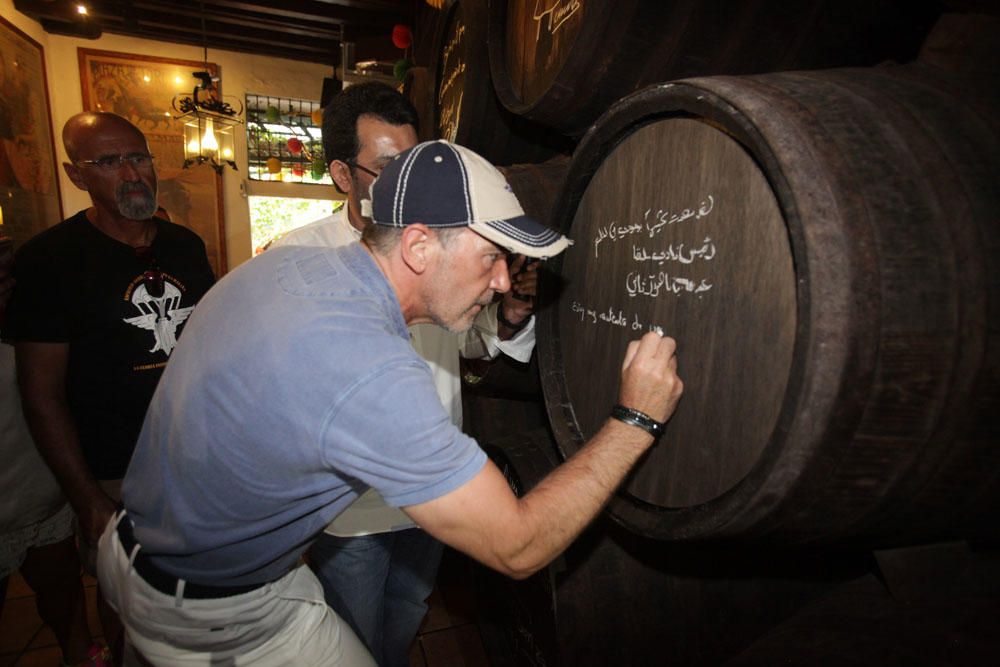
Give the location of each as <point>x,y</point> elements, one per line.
<point>640,419</point>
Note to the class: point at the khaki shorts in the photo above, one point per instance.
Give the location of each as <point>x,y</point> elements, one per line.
<point>88,551</point>
<point>14,545</point>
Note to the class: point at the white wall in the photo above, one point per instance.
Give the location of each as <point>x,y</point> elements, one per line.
<point>240,72</point>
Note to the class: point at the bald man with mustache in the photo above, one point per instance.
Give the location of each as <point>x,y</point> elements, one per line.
<point>98,303</point>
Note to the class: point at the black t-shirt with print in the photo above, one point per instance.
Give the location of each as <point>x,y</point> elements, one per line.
<point>77,285</point>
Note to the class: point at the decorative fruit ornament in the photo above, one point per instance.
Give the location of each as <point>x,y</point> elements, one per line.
<point>273,165</point>
<point>402,36</point>
<point>399,69</point>
<point>317,117</point>
<point>317,169</point>
<point>297,170</point>
<point>294,145</point>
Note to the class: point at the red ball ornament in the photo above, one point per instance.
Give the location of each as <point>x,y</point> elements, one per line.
<point>298,171</point>
<point>294,145</point>
<point>402,36</point>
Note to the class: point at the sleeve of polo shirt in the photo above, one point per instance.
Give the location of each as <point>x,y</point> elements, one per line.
<point>392,433</point>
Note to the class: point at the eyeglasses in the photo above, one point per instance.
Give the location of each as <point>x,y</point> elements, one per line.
<point>370,172</point>
<point>152,277</point>
<point>115,162</point>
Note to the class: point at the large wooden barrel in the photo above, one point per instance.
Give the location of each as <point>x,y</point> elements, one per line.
<point>825,247</point>
<point>616,598</point>
<point>562,63</point>
<point>467,110</point>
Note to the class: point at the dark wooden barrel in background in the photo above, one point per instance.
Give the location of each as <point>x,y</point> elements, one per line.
<point>537,186</point>
<point>467,111</point>
<point>418,87</point>
<point>562,63</point>
<point>938,607</point>
<point>825,248</point>
<point>502,395</point>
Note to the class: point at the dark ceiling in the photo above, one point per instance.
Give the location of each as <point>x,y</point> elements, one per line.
<point>309,30</point>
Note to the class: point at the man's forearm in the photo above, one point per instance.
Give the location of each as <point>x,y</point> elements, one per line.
<point>54,432</point>
<point>519,536</point>
<point>556,511</point>
<point>42,379</point>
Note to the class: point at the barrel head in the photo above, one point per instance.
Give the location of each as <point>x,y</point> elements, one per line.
<point>679,231</point>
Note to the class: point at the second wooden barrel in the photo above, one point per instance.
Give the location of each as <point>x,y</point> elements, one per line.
<point>562,63</point>
<point>825,248</point>
<point>467,109</point>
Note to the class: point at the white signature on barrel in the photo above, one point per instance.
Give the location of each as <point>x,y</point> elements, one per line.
<point>556,11</point>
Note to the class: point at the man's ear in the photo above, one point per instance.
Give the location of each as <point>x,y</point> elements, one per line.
<point>341,175</point>
<point>415,247</point>
<point>75,175</point>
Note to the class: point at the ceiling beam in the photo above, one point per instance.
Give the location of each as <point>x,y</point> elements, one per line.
<point>295,10</point>
<point>183,22</point>
<point>303,53</point>
<point>309,30</point>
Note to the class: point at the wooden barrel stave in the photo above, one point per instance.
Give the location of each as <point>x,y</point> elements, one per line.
<point>941,472</point>
<point>928,356</point>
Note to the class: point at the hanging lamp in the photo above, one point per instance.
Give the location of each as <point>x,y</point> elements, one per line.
<point>208,119</point>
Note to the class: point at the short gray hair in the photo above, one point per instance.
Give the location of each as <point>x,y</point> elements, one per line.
<point>383,238</point>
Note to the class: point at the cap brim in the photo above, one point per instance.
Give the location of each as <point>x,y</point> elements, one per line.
<point>523,235</point>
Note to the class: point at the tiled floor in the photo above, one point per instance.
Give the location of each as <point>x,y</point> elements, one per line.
<point>448,637</point>
<point>24,640</point>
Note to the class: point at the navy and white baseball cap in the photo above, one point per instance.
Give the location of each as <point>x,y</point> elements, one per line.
<point>441,184</point>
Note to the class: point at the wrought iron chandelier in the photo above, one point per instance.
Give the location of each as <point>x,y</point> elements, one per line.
<point>208,119</point>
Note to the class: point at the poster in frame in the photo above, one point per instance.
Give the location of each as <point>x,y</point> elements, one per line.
<point>142,88</point>
<point>29,182</point>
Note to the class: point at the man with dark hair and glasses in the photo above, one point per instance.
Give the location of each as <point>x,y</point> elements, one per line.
<point>98,303</point>
<point>376,566</point>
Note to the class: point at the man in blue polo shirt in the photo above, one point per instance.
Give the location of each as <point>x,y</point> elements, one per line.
<point>296,388</point>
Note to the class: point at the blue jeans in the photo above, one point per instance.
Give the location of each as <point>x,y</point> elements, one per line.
<point>379,584</point>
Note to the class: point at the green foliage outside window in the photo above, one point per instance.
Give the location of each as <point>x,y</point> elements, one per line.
<point>270,217</point>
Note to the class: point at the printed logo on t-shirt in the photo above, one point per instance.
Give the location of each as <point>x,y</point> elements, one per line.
<point>159,314</point>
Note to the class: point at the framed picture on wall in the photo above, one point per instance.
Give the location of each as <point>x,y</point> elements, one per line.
<point>29,183</point>
<point>142,89</point>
